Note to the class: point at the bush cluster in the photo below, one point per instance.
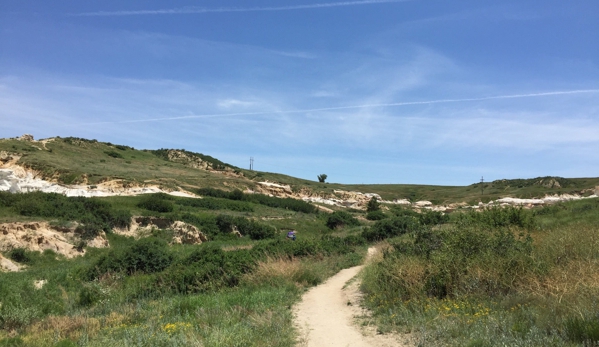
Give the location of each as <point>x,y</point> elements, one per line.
<point>375,215</point>
<point>159,202</point>
<point>20,255</point>
<point>339,219</point>
<point>270,201</point>
<point>95,214</point>
<point>208,268</point>
<point>222,225</point>
<point>456,261</point>
<point>114,154</point>
<point>391,227</point>
<point>209,203</point>
<point>497,217</point>
<point>147,255</point>
<point>154,269</point>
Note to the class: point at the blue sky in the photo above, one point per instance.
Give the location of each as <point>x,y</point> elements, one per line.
<point>421,91</point>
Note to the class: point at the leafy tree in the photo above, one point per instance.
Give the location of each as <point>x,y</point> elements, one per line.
<point>322,178</point>
<point>373,205</point>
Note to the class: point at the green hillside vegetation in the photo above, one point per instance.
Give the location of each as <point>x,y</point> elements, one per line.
<point>228,291</point>
<point>502,276</point>
<point>75,160</point>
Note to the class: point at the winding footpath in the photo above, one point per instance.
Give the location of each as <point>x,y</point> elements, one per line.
<point>326,315</point>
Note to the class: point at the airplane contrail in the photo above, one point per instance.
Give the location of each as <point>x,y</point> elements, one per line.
<point>200,10</point>
<point>395,104</point>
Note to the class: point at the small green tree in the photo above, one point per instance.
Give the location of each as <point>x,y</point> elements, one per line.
<point>373,205</point>
<point>322,178</point>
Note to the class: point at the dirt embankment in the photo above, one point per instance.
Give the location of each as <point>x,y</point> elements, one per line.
<point>40,236</point>
<point>183,233</point>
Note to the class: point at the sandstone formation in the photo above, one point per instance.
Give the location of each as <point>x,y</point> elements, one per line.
<point>40,236</point>
<point>8,265</point>
<point>183,233</point>
<point>19,180</point>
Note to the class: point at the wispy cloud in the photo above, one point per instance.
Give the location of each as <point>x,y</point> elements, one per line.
<point>229,103</point>
<point>201,10</point>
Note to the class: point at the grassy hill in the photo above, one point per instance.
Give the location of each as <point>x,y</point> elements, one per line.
<point>493,278</point>
<point>74,160</point>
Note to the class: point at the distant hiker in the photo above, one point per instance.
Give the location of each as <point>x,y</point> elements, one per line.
<point>291,235</point>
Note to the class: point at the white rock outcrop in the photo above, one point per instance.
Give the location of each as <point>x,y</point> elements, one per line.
<point>40,236</point>
<point>19,180</point>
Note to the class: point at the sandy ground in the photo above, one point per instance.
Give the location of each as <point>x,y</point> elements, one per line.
<point>327,316</point>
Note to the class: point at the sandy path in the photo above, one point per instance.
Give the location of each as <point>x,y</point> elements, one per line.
<point>325,318</point>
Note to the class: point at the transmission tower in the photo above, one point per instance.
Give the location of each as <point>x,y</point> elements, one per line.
<point>251,163</point>
<point>482,186</point>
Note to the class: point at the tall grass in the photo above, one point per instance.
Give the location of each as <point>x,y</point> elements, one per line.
<point>484,282</point>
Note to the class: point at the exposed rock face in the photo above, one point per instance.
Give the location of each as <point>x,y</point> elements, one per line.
<point>39,236</point>
<point>26,137</point>
<point>189,160</point>
<point>8,158</point>
<point>187,234</point>
<point>421,204</point>
<point>183,233</point>
<point>9,265</point>
<point>19,180</point>
<point>274,189</point>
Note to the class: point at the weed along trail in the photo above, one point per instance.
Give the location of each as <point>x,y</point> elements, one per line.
<point>326,315</point>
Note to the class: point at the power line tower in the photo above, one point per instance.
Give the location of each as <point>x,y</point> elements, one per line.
<point>482,185</point>
<point>251,163</point>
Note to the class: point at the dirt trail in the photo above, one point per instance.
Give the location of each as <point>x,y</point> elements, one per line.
<point>325,316</point>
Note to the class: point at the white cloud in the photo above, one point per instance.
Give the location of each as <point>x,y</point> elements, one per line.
<point>201,10</point>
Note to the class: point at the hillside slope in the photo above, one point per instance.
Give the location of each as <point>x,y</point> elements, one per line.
<point>76,161</point>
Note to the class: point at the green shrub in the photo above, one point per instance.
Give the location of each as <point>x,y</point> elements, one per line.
<point>12,342</point>
<point>255,230</point>
<point>497,217</point>
<point>457,261</point>
<point>270,201</point>
<point>339,219</point>
<point>7,199</point>
<point>583,330</point>
<point>391,227</point>
<point>85,210</point>
<point>373,205</point>
<point>210,203</point>
<point>207,268</point>
<point>156,203</point>
<point>114,154</point>
<point>20,255</point>
<point>88,295</point>
<point>376,215</point>
<point>146,255</point>
<point>430,217</point>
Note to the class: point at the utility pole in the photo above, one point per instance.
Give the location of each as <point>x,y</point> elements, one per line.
<point>482,186</point>
<point>251,163</point>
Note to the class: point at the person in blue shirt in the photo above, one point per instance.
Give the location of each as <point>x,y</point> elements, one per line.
<point>291,235</point>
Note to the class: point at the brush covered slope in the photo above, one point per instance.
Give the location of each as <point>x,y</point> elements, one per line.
<point>497,277</point>
<point>73,161</point>
<point>121,270</point>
